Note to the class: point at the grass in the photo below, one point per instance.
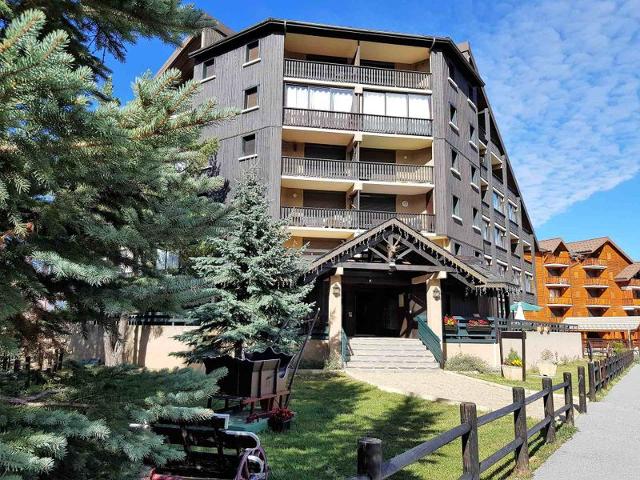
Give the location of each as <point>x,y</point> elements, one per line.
<point>333,411</point>
<point>534,379</point>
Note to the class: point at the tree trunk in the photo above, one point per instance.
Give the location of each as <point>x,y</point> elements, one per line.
<point>114,342</point>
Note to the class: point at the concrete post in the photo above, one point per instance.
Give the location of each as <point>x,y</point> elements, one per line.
<point>434,306</point>
<point>335,314</point>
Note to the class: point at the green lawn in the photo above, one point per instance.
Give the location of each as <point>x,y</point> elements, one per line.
<point>333,411</point>
<point>534,379</point>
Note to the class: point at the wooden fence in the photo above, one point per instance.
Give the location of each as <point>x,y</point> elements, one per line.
<point>49,362</point>
<point>371,464</point>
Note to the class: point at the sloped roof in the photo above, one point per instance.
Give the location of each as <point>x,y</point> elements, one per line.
<point>474,275</point>
<point>628,272</point>
<point>592,244</point>
<point>550,244</point>
<point>604,324</point>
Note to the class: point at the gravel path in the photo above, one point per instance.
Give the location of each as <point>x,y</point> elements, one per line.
<point>607,443</point>
<point>439,385</point>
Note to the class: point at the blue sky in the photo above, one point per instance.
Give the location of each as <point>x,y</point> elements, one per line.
<point>562,76</point>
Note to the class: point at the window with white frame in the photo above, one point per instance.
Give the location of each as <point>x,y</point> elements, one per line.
<point>249,145</point>
<point>455,206</point>
<point>406,105</point>
<point>472,134</point>
<point>251,98</point>
<point>475,175</point>
<point>513,212</point>
<point>486,229</point>
<point>318,98</point>
<point>488,260</point>
<point>208,68</point>
<point>455,161</point>
<point>253,51</point>
<point>453,115</point>
<point>476,218</point>
<point>498,201</point>
<point>528,283</point>
<point>502,269</point>
<point>499,237</point>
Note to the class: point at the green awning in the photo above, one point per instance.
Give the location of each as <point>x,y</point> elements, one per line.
<point>526,307</point>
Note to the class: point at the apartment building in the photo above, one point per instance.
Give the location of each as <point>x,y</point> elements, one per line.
<point>365,137</point>
<point>592,283</point>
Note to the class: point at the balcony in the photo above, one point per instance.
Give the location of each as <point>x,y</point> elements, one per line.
<point>634,284</point>
<point>560,301</point>
<point>356,171</point>
<point>594,264</point>
<point>357,122</point>
<point>352,74</point>
<point>598,302</point>
<point>556,262</point>
<point>557,282</point>
<point>596,283</point>
<point>343,219</point>
<point>630,302</point>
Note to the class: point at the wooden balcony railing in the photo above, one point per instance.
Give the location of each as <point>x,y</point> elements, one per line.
<point>596,282</point>
<point>599,301</point>
<point>352,219</point>
<point>594,263</point>
<point>560,300</point>
<point>361,122</point>
<point>336,72</point>
<point>365,171</point>
<point>634,282</point>
<point>555,260</point>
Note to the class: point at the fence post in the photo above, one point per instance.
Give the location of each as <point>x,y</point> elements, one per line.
<point>568,397</point>
<point>592,381</point>
<point>582,390</point>
<point>520,427</point>
<point>470,453</point>
<point>60,357</point>
<point>16,365</point>
<point>27,369</point>
<point>370,457</point>
<point>550,430</point>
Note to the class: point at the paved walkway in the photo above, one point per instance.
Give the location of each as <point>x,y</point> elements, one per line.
<point>607,443</point>
<point>440,385</point>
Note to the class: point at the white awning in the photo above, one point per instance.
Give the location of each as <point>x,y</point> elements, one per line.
<point>604,324</point>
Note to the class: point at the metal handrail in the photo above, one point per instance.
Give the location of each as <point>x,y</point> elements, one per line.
<point>430,340</point>
<point>345,349</point>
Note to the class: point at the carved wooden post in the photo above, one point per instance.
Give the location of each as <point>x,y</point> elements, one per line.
<point>470,453</point>
<point>568,397</point>
<point>550,430</point>
<point>370,458</point>
<point>582,390</point>
<point>520,427</point>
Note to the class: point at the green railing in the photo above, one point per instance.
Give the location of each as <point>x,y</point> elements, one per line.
<point>430,340</point>
<point>345,352</point>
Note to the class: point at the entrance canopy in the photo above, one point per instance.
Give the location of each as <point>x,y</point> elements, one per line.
<point>393,246</point>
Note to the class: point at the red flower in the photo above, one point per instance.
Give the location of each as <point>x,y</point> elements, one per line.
<point>478,322</point>
<point>282,414</point>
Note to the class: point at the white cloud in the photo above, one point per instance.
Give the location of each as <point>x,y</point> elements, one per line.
<point>564,81</point>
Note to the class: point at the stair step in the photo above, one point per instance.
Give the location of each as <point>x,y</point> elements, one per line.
<point>393,366</point>
<point>394,358</point>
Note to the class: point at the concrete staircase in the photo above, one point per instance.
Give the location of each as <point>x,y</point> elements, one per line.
<point>387,353</point>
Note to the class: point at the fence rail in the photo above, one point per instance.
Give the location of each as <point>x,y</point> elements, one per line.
<point>370,464</point>
<point>361,122</point>
<point>348,170</point>
<point>337,72</point>
<point>370,459</point>
<point>352,219</point>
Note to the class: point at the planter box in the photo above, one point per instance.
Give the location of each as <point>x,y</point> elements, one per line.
<point>280,427</point>
<point>512,373</point>
<point>479,329</point>
<point>451,328</point>
<point>548,369</point>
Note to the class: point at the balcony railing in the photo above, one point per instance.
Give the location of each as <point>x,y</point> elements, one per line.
<point>560,300</point>
<point>598,301</point>
<point>596,282</point>
<point>352,219</point>
<point>634,282</point>
<point>365,171</point>
<point>556,281</point>
<point>361,122</point>
<point>594,263</point>
<point>336,72</point>
<point>553,261</point>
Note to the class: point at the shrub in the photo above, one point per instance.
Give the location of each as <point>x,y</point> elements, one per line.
<point>548,356</point>
<point>463,362</point>
<point>618,347</point>
<point>513,359</point>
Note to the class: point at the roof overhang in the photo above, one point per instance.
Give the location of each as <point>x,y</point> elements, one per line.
<point>273,25</point>
<point>604,324</point>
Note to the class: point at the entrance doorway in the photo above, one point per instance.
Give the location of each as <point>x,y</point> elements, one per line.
<point>375,311</point>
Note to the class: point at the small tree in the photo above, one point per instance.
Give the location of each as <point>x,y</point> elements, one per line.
<point>252,281</point>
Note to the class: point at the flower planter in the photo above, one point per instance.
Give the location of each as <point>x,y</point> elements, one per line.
<point>512,373</point>
<point>451,328</point>
<point>547,369</point>
<point>280,426</point>
<point>479,328</point>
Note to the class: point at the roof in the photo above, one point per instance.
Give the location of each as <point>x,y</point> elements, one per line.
<point>591,245</point>
<point>550,245</point>
<point>628,272</point>
<point>604,324</point>
<point>275,25</point>
<point>477,275</point>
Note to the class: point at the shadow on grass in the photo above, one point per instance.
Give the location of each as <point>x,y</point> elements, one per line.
<point>332,413</point>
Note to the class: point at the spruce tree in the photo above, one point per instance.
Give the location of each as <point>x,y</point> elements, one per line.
<point>252,279</point>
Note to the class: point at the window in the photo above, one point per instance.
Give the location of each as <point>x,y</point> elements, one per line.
<point>249,145</point>
<point>488,260</point>
<point>166,260</point>
<point>517,276</point>
<point>208,68</point>
<point>253,51</point>
<point>453,115</point>
<point>502,269</point>
<point>476,218</point>
<point>528,283</point>
<point>486,229</point>
<point>455,163</point>
<point>397,104</point>
<point>456,249</point>
<point>251,98</point>
<point>513,212</point>
<point>475,175</point>
<point>455,206</point>
<point>319,98</point>
<point>472,134</point>
<point>499,237</point>
<point>452,71</point>
<point>498,201</point>
<point>378,202</point>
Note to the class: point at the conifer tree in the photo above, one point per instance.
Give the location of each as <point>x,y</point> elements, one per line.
<point>252,281</point>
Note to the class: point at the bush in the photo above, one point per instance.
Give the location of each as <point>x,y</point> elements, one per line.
<point>548,356</point>
<point>513,359</point>
<point>618,347</point>
<point>463,362</point>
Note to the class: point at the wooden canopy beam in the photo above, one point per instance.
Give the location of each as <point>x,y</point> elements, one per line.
<point>399,268</point>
